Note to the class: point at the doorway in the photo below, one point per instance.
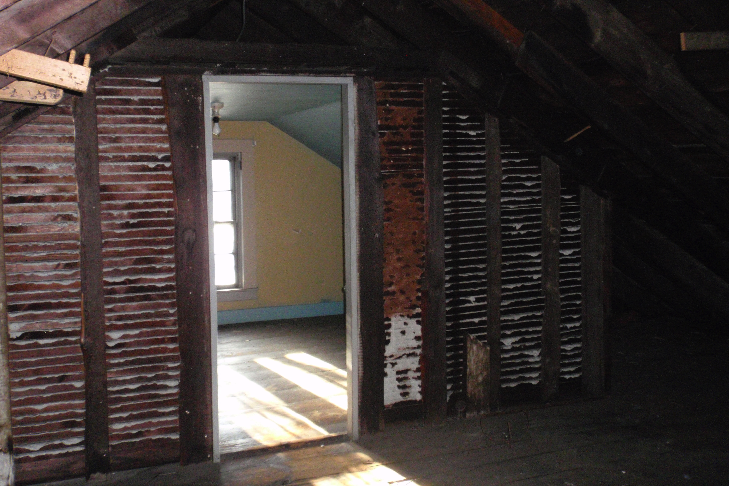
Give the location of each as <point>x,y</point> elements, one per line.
<point>278,410</point>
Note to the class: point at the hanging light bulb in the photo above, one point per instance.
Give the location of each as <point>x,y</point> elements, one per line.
<point>216,107</point>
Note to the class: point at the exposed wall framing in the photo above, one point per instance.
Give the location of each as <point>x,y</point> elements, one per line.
<point>400,122</point>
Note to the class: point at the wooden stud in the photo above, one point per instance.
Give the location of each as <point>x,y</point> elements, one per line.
<point>45,70</point>
<point>594,247</point>
<point>551,348</point>
<point>433,367</point>
<point>185,117</point>
<point>704,41</point>
<point>493,276</point>
<point>93,340</point>
<point>371,257</point>
<point>478,363</point>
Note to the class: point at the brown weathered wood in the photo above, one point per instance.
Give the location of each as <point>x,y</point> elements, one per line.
<point>93,340</point>
<point>371,255</point>
<point>204,54</point>
<point>433,369</point>
<point>29,92</point>
<point>185,115</point>
<point>546,66</point>
<point>704,41</point>
<point>550,279</point>
<point>6,433</point>
<point>644,63</point>
<point>593,212</point>
<point>27,18</point>
<point>478,386</point>
<point>493,275</point>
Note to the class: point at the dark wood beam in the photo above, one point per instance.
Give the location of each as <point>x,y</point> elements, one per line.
<point>594,212</point>
<point>433,369</point>
<point>705,287</point>
<point>545,65</point>
<point>26,19</point>
<point>645,64</point>
<point>493,243</point>
<point>371,257</point>
<point>186,119</point>
<point>206,55</point>
<point>551,343</point>
<point>290,19</point>
<point>349,21</point>
<point>93,338</point>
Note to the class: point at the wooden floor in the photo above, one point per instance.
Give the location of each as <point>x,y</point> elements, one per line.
<point>665,422</point>
<point>281,381</point>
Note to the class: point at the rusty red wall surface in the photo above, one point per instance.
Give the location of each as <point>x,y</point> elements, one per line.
<point>42,252</point>
<point>138,224</point>
<point>400,122</point>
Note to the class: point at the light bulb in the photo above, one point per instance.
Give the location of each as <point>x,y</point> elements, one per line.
<point>216,128</point>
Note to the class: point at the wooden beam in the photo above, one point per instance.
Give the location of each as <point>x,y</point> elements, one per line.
<point>371,257</point>
<point>93,340</point>
<point>30,92</point>
<point>493,270</point>
<point>433,367</point>
<point>594,212</point>
<point>26,19</point>
<point>704,41</point>
<point>7,469</point>
<point>186,119</point>
<point>551,343</point>
<point>693,278</point>
<point>45,70</point>
<point>204,55</point>
<point>545,65</point>
<point>645,64</point>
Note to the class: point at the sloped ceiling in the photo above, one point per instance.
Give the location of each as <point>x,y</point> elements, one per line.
<point>310,113</point>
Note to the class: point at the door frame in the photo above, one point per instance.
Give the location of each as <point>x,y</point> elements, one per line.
<point>351,238</point>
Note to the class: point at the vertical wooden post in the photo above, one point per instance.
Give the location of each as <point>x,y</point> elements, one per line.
<point>433,364</point>
<point>493,275</point>
<point>595,264</point>
<point>93,337</point>
<point>550,279</point>
<point>186,122</point>
<point>370,222</point>
<point>7,472</point>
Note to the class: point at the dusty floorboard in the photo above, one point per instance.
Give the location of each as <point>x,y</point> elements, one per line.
<point>664,423</point>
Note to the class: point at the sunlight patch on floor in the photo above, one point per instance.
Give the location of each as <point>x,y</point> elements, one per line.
<point>368,473</point>
<point>333,393</point>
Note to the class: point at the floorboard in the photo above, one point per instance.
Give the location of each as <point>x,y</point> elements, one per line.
<point>281,381</point>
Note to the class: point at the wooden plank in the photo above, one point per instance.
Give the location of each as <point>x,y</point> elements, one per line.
<point>478,386</point>
<point>637,57</point>
<point>493,235</point>
<point>30,92</point>
<point>551,346</point>
<point>45,70</point>
<point>704,41</point>
<point>204,54</point>
<point>433,370</point>
<point>593,211</point>
<point>371,257</point>
<point>93,338</point>
<point>26,19</point>
<point>186,116</point>
<point>545,65</point>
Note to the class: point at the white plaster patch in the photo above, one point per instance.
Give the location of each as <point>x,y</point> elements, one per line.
<point>7,475</point>
<point>402,360</point>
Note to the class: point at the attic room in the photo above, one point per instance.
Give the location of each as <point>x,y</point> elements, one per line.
<point>500,225</point>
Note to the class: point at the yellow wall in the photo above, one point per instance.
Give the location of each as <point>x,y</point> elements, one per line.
<point>298,217</point>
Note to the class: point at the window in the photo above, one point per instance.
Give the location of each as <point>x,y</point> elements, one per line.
<point>227,216</point>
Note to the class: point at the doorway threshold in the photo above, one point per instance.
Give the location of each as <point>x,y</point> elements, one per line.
<point>287,446</point>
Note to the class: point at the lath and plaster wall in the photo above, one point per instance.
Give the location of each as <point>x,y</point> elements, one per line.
<point>400,121</point>
<point>41,221</point>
